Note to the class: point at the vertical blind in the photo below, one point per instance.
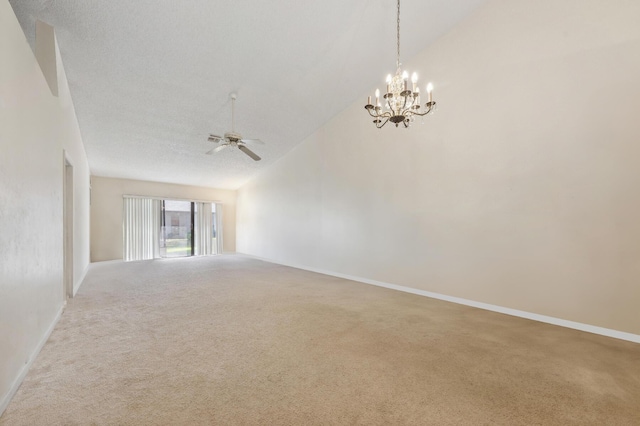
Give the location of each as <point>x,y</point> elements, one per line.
<point>204,230</point>
<point>141,228</point>
<point>218,249</point>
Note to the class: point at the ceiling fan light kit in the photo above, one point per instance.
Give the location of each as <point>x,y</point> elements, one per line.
<point>400,105</point>
<point>232,138</point>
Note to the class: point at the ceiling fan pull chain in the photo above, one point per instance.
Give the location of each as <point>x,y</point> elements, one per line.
<point>233,113</point>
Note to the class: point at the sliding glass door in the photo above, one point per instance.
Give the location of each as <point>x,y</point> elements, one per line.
<point>176,228</point>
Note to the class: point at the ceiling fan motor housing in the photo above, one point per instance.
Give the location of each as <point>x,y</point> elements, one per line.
<point>233,136</point>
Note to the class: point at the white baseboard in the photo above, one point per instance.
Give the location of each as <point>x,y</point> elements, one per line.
<point>105,262</point>
<point>6,399</point>
<point>514,312</point>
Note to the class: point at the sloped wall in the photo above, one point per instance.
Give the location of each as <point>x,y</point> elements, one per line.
<point>521,191</point>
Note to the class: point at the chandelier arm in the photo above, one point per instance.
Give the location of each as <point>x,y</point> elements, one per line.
<point>374,114</point>
<point>430,107</point>
<point>381,124</point>
<point>378,114</point>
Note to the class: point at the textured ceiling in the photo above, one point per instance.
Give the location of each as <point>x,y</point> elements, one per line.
<point>150,79</point>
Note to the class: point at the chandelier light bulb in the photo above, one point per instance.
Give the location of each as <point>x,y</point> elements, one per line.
<point>414,78</point>
<point>405,75</point>
<point>430,91</point>
<point>388,78</point>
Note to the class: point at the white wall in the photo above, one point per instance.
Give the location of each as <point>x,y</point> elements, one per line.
<point>521,191</point>
<point>35,128</point>
<point>107,206</point>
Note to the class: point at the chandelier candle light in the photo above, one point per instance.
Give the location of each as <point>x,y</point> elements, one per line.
<point>399,104</point>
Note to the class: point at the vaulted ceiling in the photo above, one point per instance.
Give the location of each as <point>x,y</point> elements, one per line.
<point>151,79</point>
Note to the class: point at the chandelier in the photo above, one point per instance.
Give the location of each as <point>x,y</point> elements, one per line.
<point>399,104</point>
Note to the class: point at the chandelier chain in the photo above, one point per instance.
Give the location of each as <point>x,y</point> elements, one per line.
<point>398,36</point>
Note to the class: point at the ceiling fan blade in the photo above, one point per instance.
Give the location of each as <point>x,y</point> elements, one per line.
<point>217,149</point>
<point>215,138</point>
<point>254,141</point>
<point>248,152</point>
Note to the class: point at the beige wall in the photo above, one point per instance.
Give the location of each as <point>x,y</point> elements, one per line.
<point>106,211</point>
<point>521,191</point>
<point>36,127</point>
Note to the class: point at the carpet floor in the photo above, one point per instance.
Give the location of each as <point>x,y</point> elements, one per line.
<point>233,340</point>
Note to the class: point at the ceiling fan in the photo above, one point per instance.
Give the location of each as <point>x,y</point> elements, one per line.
<point>233,139</point>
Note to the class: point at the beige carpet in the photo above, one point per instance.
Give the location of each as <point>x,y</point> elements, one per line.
<point>231,340</point>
